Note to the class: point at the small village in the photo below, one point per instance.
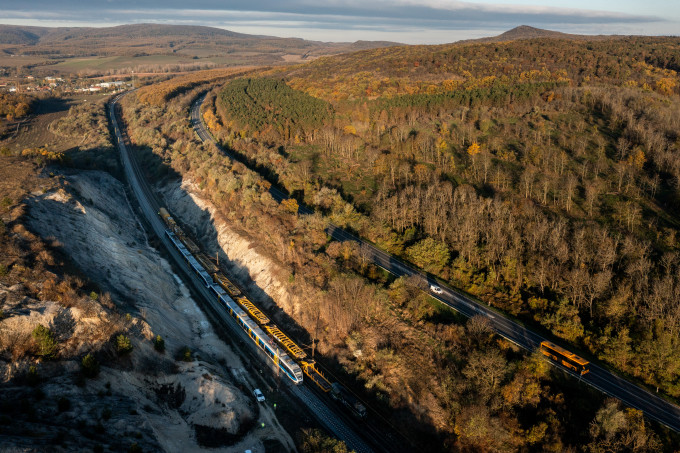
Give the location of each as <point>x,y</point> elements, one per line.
<point>61,85</point>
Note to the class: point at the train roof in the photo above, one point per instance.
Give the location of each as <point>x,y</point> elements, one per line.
<point>218,289</point>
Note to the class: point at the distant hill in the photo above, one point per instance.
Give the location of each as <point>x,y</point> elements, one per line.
<point>122,33</point>
<point>157,39</point>
<point>425,69</point>
<point>527,32</point>
<point>152,48</point>
<point>20,35</point>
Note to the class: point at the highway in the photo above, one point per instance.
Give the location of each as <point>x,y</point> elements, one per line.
<point>599,378</point>
<point>149,206</point>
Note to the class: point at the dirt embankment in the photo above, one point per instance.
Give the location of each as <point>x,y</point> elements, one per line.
<point>145,396</point>
<point>254,268</point>
<point>262,276</point>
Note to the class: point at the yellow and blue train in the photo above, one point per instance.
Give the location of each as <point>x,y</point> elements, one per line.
<point>283,351</point>
<point>266,343</point>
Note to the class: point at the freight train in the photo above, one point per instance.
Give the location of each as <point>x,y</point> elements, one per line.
<point>292,360</point>
<point>267,335</point>
<point>216,283</point>
<point>341,395</point>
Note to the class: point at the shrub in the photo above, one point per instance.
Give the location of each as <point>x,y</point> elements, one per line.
<point>123,343</point>
<point>90,366</point>
<point>47,345</point>
<point>315,441</point>
<point>185,354</point>
<point>159,343</point>
<point>94,296</point>
<point>429,254</point>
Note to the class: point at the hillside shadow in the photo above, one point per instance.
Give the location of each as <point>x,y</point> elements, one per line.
<point>53,105</point>
<point>201,227</point>
<point>198,223</point>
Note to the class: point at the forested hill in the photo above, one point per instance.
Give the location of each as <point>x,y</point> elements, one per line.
<point>527,32</point>
<point>541,175</point>
<point>428,69</point>
<point>156,39</point>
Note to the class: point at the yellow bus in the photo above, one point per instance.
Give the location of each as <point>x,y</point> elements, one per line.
<point>566,358</point>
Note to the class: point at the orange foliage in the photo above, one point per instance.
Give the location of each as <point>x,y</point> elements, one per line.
<point>42,152</point>
<point>290,205</point>
<point>473,149</point>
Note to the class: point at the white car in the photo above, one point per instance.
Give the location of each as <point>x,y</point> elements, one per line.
<point>436,289</point>
<point>258,394</point>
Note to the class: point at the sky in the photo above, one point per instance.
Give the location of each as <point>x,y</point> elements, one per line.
<point>406,21</point>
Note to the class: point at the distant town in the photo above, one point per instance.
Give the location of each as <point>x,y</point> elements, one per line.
<point>61,85</point>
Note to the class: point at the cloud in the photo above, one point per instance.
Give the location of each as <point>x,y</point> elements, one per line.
<point>376,9</point>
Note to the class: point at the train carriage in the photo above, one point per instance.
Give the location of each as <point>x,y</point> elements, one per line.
<point>566,358</point>
<point>263,341</point>
<point>247,321</point>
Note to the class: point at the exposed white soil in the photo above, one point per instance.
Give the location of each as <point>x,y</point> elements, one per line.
<point>92,219</point>
<point>265,279</point>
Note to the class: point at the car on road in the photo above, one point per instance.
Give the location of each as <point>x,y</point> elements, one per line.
<point>436,289</point>
<point>258,394</point>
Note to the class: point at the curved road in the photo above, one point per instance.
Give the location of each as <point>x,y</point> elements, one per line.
<point>607,382</point>
<point>149,206</point>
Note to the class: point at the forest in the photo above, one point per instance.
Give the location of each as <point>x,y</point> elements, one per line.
<point>157,93</point>
<point>543,182</point>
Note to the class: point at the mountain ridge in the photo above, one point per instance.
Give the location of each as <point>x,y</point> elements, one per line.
<point>43,35</point>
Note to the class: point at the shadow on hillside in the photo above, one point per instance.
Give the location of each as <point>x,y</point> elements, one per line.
<point>198,223</point>
<point>53,105</point>
<point>200,226</point>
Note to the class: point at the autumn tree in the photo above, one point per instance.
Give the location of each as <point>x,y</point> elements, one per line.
<point>429,254</point>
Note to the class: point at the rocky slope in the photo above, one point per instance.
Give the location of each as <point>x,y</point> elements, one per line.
<point>144,397</point>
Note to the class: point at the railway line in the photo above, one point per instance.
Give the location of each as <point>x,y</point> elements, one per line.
<point>339,425</point>
<point>653,406</point>
<point>267,335</point>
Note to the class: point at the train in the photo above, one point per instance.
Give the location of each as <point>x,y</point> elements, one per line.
<point>566,358</point>
<point>215,284</point>
<point>344,397</point>
<point>278,347</point>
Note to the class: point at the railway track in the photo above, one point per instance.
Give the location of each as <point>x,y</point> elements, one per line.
<point>335,422</point>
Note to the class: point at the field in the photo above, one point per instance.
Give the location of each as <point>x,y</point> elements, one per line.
<point>116,62</point>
